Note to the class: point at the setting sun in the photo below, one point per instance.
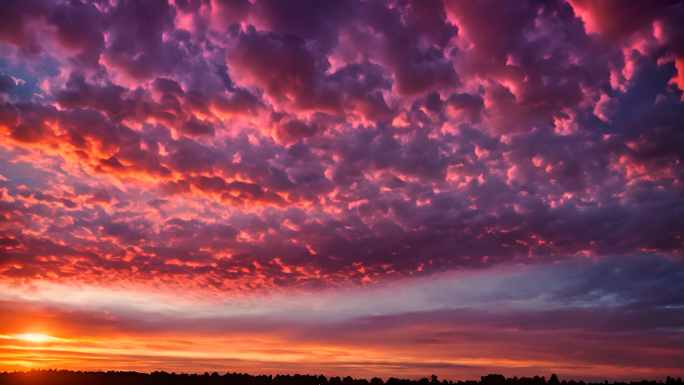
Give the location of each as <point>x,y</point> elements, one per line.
<point>35,337</point>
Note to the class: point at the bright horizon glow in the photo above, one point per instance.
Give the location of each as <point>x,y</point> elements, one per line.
<point>35,337</point>
<point>326,331</point>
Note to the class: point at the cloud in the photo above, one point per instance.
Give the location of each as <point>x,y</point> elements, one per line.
<point>241,146</point>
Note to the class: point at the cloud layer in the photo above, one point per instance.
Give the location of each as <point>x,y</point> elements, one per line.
<point>236,144</point>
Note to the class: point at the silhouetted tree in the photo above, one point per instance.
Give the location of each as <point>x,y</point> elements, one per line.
<point>493,379</point>
<point>65,377</point>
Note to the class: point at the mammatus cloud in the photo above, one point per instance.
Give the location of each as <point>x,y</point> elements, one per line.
<point>232,146</point>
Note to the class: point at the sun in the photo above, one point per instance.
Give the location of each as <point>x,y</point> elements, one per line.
<point>34,337</point>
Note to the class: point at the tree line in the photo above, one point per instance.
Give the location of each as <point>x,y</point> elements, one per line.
<point>69,377</point>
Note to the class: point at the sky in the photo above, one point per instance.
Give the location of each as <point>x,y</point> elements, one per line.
<point>351,187</point>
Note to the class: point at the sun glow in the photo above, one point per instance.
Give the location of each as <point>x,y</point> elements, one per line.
<point>35,337</point>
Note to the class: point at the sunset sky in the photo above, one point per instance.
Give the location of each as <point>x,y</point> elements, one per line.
<point>349,187</point>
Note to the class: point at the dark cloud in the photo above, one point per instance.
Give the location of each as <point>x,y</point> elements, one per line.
<point>80,26</point>
<point>618,19</point>
<point>285,68</point>
<point>15,19</point>
<point>229,12</point>
<point>6,83</point>
<point>136,44</point>
<point>416,69</point>
<point>317,21</point>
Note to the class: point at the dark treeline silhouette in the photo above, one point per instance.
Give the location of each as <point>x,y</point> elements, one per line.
<point>68,377</point>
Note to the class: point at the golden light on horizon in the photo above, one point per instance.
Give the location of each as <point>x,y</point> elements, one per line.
<point>35,337</point>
